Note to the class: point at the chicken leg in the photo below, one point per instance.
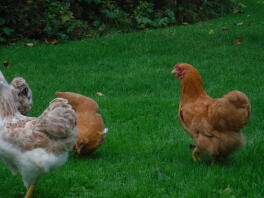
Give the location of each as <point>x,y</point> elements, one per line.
<point>30,191</point>
<point>196,154</point>
<point>78,148</point>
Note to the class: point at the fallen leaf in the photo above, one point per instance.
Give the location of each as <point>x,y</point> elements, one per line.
<point>227,191</point>
<point>6,64</point>
<point>29,44</point>
<point>53,42</point>
<point>211,32</point>
<point>225,28</point>
<point>99,94</point>
<point>237,41</point>
<point>240,23</point>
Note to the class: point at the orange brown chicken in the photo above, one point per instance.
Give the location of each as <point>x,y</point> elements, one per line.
<point>213,123</point>
<point>90,126</point>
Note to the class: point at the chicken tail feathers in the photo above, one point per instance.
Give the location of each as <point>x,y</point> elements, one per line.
<point>58,120</point>
<point>231,111</point>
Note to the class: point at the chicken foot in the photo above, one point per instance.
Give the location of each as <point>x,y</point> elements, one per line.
<point>78,148</point>
<point>196,154</point>
<point>30,191</point>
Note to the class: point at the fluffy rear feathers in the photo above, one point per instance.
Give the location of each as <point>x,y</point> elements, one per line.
<point>231,112</point>
<point>58,120</point>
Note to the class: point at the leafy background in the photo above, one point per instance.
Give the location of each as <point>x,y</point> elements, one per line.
<point>72,19</point>
<point>146,152</point>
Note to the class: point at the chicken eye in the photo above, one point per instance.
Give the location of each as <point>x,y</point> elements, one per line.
<point>24,92</point>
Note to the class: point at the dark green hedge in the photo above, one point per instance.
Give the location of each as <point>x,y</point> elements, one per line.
<point>72,19</point>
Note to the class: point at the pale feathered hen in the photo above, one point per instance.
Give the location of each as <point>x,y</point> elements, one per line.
<point>213,123</point>
<point>34,146</point>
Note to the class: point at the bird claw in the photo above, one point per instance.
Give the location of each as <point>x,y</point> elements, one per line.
<point>78,148</point>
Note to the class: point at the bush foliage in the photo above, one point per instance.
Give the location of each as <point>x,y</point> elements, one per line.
<point>71,19</point>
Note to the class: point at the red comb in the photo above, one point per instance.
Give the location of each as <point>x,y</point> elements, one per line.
<point>178,65</point>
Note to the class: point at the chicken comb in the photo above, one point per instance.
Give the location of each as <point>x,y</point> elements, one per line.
<point>178,65</point>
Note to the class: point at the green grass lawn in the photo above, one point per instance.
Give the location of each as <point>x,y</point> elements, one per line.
<point>146,150</point>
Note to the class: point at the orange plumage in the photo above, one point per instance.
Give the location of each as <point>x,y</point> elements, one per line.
<point>90,126</point>
<point>213,123</point>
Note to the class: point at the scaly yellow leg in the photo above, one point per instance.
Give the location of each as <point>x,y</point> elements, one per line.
<point>30,191</point>
<point>196,154</point>
<point>78,148</point>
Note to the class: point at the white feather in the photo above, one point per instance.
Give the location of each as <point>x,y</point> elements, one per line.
<point>105,130</point>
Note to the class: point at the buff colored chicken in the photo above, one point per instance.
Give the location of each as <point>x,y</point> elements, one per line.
<point>90,126</point>
<point>34,146</point>
<point>213,123</point>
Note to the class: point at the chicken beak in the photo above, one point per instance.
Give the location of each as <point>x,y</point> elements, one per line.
<point>174,71</point>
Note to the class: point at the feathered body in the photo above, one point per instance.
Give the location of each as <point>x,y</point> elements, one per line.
<point>34,146</point>
<point>22,95</point>
<point>213,123</point>
<point>90,125</point>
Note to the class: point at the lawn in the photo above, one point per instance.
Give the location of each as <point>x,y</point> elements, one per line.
<point>146,150</point>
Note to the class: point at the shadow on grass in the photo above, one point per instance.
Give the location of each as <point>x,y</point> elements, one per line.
<point>92,156</point>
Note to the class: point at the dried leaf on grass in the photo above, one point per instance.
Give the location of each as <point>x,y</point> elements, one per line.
<point>29,44</point>
<point>237,41</point>
<point>99,94</point>
<point>240,23</point>
<point>225,28</point>
<point>52,42</point>
<point>226,191</point>
<point>211,32</point>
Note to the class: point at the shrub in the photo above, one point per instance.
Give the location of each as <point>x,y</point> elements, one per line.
<point>71,19</point>
<point>38,19</point>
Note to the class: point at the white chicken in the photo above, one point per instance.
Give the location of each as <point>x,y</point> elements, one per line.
<point>34,146</point>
